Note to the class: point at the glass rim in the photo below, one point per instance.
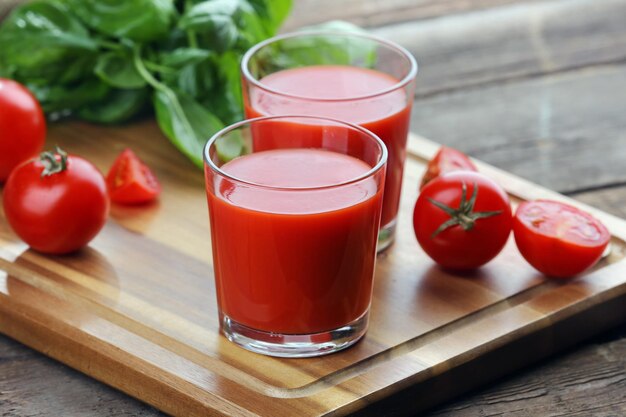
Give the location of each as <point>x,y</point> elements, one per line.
<point>410,76</point>
<point>371,172</point>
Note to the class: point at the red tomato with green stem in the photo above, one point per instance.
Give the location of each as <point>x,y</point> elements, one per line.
<point>130,181</point>
<point>558,239</point>
<point>462,220</point>
<point>446,160</point>
<point>56,203</point>
<point>22,126</point>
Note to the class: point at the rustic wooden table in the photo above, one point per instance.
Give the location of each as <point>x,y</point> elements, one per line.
<point>535,87</point>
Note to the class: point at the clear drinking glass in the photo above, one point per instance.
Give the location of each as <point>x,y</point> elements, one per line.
<point>352,77</point>
<point>294,226</point>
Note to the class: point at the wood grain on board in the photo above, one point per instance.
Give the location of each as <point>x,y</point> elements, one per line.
<point>137,311</point>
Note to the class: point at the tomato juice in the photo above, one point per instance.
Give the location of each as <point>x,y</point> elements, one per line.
<point>292,253</point>
<point>352,94</point>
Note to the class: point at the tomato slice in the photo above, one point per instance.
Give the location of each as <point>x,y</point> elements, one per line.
<point>130,181</point>
<point>558,239</point>
<point>446,160</point>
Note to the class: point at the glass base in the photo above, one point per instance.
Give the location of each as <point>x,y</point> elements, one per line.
<point>386,236</point>
<point>294,345</point>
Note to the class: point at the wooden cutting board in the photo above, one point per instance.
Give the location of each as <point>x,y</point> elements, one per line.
<point>136,309</point>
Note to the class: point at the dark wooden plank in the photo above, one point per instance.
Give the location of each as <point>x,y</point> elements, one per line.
<point>515,41</point>
<point>35,386</point>
<point>377,13</point>
<point>612,199</point>
<point>565,131</point>
<point>589,380</point>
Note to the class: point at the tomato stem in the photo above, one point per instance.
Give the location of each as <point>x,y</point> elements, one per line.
<point>463,216</point>
<point>54,162</point>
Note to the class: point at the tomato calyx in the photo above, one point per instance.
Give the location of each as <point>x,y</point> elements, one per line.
<point>464,216</point>
<point>53,162</point>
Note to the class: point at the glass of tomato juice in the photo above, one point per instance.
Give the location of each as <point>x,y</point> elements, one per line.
<point>294,225</point>
<point>352,77</point>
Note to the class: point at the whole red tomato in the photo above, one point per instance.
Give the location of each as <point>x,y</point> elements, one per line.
<point>130,181</point>
<point>22,126</point>
<point>558,239</point>
<point>446,160</point>
<point>56,203</point>
<point>462,220</point>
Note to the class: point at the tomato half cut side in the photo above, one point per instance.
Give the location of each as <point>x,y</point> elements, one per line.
<point>558,239</point>
<point>130,181</point>
<point>446,160</point>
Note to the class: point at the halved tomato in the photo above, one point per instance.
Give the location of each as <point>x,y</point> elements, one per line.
<point>446,160</point>
<point>558,239</point>
<point>130,181</point>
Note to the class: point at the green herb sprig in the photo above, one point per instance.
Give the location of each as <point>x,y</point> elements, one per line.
<point>107,61</point>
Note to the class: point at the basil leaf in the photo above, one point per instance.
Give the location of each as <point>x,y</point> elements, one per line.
<point>183,57</point>
<point>256,19</point>
<point>116,107</point>
<point>175,39</point>
<point>230,146</point>
<point>65,99</point>
<point>215,19</point>
<point>327,50</point>
<point>185,122</point>
<point>205,13</point>
<point>225,24</point>
<point>69,71</point>
<point>118,70</point>
<point>72,70</point>
<point>39,34</point>
<point>251,30</point>
<point>137,20</point>
<point>196,80</point>
<point>359,51</point>
<point>272,12</point>
<point>225,99</point>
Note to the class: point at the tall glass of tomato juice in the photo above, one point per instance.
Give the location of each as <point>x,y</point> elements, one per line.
<point>352,77</point>
<point>294,226</point>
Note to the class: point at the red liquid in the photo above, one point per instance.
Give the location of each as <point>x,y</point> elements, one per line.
<point>386,115</point>
<point>294,262</point>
